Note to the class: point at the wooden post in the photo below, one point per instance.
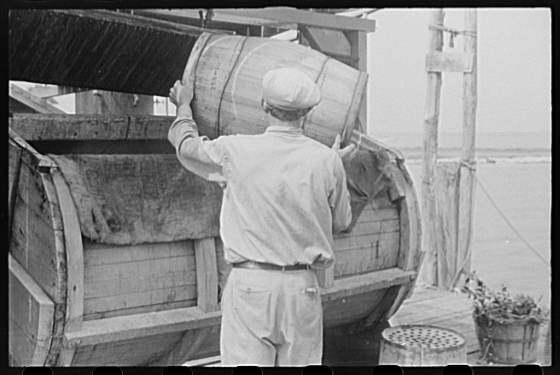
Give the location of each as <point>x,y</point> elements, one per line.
<point>428,272</point>
<point>466,184</point>
<point>358,45</point>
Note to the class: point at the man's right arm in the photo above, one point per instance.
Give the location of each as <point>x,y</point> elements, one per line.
<point>198,154</point>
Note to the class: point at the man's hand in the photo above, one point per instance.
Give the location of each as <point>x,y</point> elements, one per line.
<point>347,152</point>
<point>181,94</point>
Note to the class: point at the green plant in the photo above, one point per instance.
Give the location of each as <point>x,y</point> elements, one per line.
<point>501,306</point>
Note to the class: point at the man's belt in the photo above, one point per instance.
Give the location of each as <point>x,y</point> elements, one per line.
<point>273,267</point>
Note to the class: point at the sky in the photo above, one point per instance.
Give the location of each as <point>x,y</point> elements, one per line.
<point>514,71</point>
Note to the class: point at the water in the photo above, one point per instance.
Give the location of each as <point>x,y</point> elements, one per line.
<point>520,185</point>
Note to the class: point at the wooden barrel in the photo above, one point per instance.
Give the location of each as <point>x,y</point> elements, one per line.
<point>422,345</point>
<point>88,288</point>
<point>507,343</point>
<point>228,72</point>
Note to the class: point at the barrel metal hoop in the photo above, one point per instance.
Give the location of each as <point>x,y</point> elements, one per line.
<point>241,45</point>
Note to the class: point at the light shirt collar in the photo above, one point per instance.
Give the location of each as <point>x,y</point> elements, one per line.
<point>284,130</point>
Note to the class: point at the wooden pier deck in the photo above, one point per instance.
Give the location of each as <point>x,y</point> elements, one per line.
<point>426,306</point>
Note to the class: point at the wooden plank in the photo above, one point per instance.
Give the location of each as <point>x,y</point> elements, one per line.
<point>148,299</point>
<point>387,240</point>
<point>292,15</point>
<point>449,62</point>
<point>99,254</point>
<point>36,103</point>
<point>74,254</point>
<point>366,283</point>
<point>141,268</point>
<point>14,163</point>
<point>140,283</point>
<point>206,274</point>
<point>31,317</point>
<point>364,228</point>
<point>140,325</point>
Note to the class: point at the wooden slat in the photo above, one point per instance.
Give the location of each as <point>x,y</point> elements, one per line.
<point>206,274</point>
<point>153,299</point>
<point>80,127</point>
<point>410,252</point>
<point>140,325</point>
<point>367,241</point>
<point>100,254</point>
<point>366,283</point>
<point>74,254</point>
<point>31,317</point>
<point>14,163</point>
<point>449,62</point>
<point>364,228</point>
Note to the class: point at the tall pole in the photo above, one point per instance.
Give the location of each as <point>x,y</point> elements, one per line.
<point>428,272</point>
<point>467,173</point>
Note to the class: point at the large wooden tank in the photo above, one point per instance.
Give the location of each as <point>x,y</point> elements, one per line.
<point>81,300</point>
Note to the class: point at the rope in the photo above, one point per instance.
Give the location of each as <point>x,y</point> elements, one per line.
<point>509,223</point>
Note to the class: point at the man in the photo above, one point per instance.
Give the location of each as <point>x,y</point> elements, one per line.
<point>284,196</point>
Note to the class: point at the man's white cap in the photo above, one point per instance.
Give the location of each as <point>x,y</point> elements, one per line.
<point>290,89</point>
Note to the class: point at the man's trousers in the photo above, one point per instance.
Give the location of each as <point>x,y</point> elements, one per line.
<point>271,318</point>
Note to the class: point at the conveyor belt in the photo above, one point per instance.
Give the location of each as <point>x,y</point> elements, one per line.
<point>98,49</point>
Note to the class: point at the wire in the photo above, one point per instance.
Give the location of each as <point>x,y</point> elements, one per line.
<point>507,221</point>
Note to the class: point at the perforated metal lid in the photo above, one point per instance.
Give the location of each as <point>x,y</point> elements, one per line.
<point>422,336</point>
